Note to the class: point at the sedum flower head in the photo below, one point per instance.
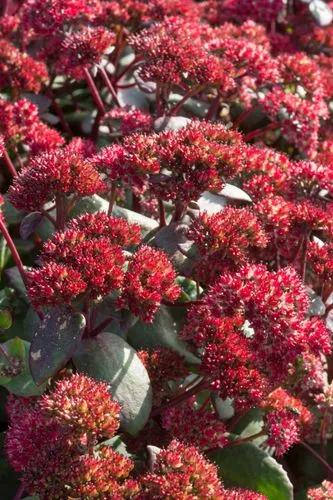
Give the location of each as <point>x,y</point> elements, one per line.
<point>83,405</point>
<point>181,471</point>
<point>162,365</point>
<point>197,427</point>
<point>83,49</point>
<point>149,279</point>
<point>54,284</point>
<point>52,173</point>
<point>19,71</point>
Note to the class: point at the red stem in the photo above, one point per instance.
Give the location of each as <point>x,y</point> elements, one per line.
<point>112,198</point>
<point>180,398</point>
<point>19,493</point>
<point>135,61</point>
<point>109,85</point>
<point>12,248</point>
<point>161,210</point>
<point>242,116</point>
<point>9,164</point>
<point>99,328</point>
<point>213,107</point>
<point>319,458</point>
<point>94,92</point>
<point>188,94</point>
<point>64,124</point>
<point>61,211</point>
<point>260,131</point>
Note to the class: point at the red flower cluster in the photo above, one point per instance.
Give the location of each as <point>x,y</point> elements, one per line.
<point>46,17</point>
<point>83,49</point>
<point>20,123</point>
<point>284,421</point>
<point>149,279</point>
<point>83,406</point>
<point>181,471</point>
<point>42,446</point>
<point>225,240</point>
<point>130,120</point>
<point>163,365</point>
<point>87,257</point>
<point>197,427</point>
<point>60,172</point>
<point>175,54</point>
<point>19,71</point>
<point>273,306</point>
<point>323,492</point>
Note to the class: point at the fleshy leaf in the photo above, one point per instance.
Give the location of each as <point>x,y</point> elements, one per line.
<point>163,331</point>
<point>55,340</point>
<point>247,466</point>
<point>108,357</point>
<point>17,360</point>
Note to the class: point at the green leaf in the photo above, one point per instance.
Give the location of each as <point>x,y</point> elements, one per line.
<point>95,204</point>
<point>12,215</point>
<point>4,253</point>
<point>30,324</point>
<point>29,224</point>
<point>117,444</point>
<point>251,423</point>
<point>55,340</point>
<point>133,97</point>
<point>163,331</point>
<point>247,466</point>
<point>17,360</point>
<point>15,280</point>
<point>108,357</point>
<point>6,319</point>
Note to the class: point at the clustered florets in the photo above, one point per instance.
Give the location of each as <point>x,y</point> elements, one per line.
<point>62,172</point>
<point>149,279</point>
<point>88,258</point>
<point>214,120</point>
<point>49,438</point>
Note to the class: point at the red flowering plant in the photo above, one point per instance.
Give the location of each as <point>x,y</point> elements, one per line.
<point>166,248</point>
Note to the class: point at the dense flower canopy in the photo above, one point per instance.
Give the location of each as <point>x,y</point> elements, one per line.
<point>166,293</point>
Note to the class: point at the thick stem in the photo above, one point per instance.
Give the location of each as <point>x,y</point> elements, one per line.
<point>64,124</point>
<point>304,256</point>
<point>112,198</point>
<point>61,210</point>
<point>19,493</point>
<point>94,92</point>
<point>161,211</point>
<point>95,127</point>
<point>211,114</point>
<point>319,458</point>
<point>179,210</point>
<point>136,203</point>
<point>130,66</point>
<point>99,328</point>
<point>260,131</point>
<point>9,164</point>
<point>189,94</point>
<point>12,248</point>
<point>109,85</point>
<point>180,398</point>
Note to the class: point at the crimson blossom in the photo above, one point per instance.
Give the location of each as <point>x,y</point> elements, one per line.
<point>49,439</point>
<point>62,172</point>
